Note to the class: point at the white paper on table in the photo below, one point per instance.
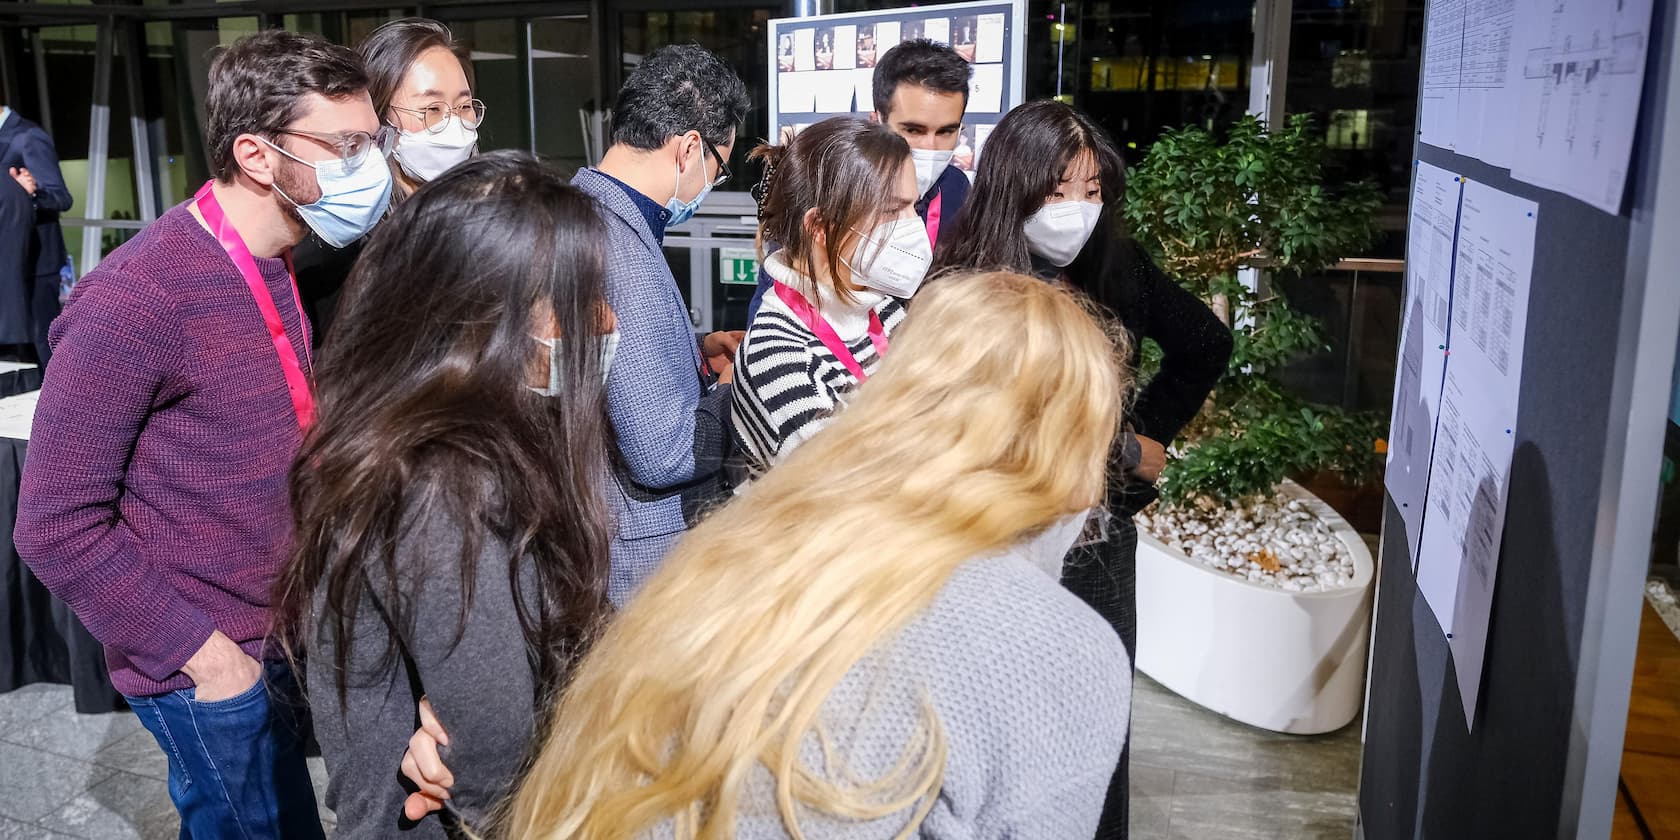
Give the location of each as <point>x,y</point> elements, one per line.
<point>985,89</point>
<point>1487,106</point>
<point>795,93</point>
<point>988,45</point>
<point>1423,343</point>
<point>1469,476</point>
<point>17,415</point>
<point>13,367</point>
<point>845,47</point>
<point>804,49</point>
<point>937,30</point>
<point>1443,44</point>
<point>834,90</point>
<point>1583,71</point>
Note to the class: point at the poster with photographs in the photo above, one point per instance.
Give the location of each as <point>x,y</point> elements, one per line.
<point>825,65</point>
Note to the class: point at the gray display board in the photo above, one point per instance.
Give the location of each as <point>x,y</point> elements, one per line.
<point>1540,759</point>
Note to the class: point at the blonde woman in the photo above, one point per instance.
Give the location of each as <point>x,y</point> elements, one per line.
<point>860,645</point>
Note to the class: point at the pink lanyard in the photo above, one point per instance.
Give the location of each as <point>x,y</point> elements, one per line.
<point>826,333</point>
<point>297,383</point>
<point>933,217</point>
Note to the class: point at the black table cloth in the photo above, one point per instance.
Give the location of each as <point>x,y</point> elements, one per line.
<point>40,639</point>
<point>17,382</point>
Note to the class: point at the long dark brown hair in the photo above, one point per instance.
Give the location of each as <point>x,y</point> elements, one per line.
<point>843,166</point>
<point>424,416</point>
<point>1024,160</point>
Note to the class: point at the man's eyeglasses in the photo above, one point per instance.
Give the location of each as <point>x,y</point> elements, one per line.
<point>352,146</point>
<point>723,166</point>
<point>436,115</point>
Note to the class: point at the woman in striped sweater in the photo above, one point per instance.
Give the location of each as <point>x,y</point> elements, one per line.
<point>839,203</point>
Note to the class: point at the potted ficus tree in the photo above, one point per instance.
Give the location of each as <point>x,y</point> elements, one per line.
<point>1253,596</point>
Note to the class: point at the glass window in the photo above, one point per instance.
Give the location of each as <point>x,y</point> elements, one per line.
<point>563,69</point>
<point>1137,66</point>
<point>1355,66</point>
<point>498,80</point>
<point>1141,67</point>
<point>737,36</point>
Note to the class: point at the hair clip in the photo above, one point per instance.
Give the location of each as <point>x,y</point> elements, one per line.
<point>761,190</point>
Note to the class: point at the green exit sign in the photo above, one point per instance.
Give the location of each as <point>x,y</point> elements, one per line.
<point>738,266</point>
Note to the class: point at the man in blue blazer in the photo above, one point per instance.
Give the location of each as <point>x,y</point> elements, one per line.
<point>668,394</point>
<point>28,304</point>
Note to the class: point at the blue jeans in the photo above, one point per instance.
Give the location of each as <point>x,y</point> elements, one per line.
<point>236,766</point>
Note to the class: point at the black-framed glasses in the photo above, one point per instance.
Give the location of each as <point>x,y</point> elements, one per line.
<point>723,165</point>
<point>436,115</point>
<point>352,146</point>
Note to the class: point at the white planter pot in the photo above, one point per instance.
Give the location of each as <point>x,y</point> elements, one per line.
<point>1286,661</point>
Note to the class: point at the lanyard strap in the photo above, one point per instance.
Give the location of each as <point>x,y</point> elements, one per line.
<point>933,214</point>
<point>826,334</point>
<point>297,383</point>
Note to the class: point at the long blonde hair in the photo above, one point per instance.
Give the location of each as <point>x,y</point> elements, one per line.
<point>990,420</point>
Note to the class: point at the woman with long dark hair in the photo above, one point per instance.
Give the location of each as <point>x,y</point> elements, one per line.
<point>450,539</point>
<point>421,81</point>
<point>1047,200</point>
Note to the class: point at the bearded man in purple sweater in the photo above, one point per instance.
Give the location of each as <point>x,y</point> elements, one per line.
<point>154,498</point>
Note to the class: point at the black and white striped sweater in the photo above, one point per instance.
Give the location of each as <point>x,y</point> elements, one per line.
<point>787,383</point>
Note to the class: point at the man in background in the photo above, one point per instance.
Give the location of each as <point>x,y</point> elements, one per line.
<point>27,157</point>
<point>921,93</point>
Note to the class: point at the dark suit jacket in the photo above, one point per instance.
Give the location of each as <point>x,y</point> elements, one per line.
<point>17,271</point>
<point>25,144</point>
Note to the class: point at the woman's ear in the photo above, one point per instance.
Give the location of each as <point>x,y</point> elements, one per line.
<point>813,229</point>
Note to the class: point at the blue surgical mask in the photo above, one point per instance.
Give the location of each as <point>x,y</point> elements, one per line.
<point>682,211</point>
<point>352,200</point>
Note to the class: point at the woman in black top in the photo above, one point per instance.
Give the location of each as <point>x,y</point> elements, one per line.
<point>1047,199</point>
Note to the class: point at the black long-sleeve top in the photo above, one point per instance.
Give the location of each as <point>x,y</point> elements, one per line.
<point>1196,346</point>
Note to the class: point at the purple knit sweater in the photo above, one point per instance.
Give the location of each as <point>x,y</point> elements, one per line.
<point>154,496</point>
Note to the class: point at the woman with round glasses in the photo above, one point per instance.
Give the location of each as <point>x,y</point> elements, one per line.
<point>420,79</point>
<point>421,84</point>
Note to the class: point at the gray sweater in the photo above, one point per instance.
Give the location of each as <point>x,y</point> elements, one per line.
<point>1032,688</point>
<point>481,689</point>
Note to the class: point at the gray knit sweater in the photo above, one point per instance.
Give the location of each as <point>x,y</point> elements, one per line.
<point>1031,687</point>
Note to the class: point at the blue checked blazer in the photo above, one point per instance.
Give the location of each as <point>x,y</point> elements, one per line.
<point>670,420</point>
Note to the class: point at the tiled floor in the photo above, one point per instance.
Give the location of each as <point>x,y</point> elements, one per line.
<point>1199,776</point>
<point>1195,775</point>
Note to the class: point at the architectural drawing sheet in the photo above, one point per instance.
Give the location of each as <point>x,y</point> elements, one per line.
<point>1582,73</point>
<point>1485,104</point>
<point>1467,94</point>
<point>1423,343</point>
<point>1443,52</point>
<point>1469,475</point>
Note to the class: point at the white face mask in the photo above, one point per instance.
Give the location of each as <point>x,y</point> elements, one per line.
<point>930,164</point>
<point>609,348</point>
<point>1057,232</point>
<point>424,155</point>
<point>899,260</point>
